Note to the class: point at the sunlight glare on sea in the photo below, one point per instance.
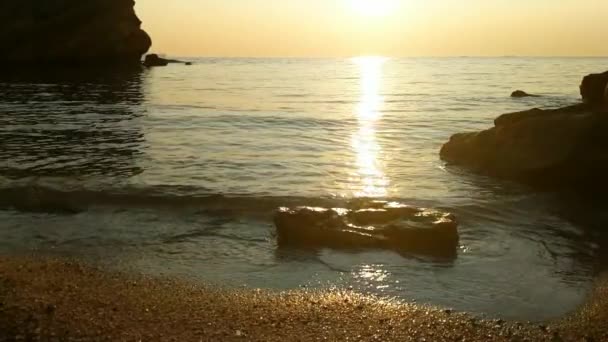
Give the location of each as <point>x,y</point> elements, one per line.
<point>370,165</point>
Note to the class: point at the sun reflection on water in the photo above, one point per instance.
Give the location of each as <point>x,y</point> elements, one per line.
<point>370,176</point>
<point>375,276</point>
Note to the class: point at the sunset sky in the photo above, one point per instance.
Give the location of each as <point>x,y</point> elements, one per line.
<point>319,28</point>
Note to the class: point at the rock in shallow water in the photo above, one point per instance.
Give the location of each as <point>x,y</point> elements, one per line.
<point>71,32</point>
<point>405,229</point>
<point>554,149</point>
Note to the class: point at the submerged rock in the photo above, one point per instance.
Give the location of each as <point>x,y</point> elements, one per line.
<point>405,229</point>
<point>71,32</point>
<point>521,93</point>
<point>594,88</point>
<point>556,149</point>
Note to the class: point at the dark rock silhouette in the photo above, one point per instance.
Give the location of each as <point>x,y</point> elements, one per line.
<point>154,60</point>
<point>405,229</point>
<point>71,32</point>
<point>555,149</point>
<point>594,88</point>
<point>521,93</point>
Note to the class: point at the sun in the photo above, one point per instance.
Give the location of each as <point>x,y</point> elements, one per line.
<point>374,8</point>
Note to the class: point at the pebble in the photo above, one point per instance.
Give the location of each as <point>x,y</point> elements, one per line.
<point>50,309</point>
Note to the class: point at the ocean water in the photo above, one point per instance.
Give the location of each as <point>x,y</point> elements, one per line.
<point>179,170</point>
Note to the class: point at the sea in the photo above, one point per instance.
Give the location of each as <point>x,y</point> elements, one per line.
<point>178,171</point>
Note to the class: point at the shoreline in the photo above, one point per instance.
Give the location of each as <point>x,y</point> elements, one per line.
<point>50,298</point>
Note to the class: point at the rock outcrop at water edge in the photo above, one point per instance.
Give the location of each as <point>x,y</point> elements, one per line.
<point>71,32</point>
<point>553,149</point>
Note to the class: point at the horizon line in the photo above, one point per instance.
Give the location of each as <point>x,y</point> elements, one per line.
<point>377,55</point>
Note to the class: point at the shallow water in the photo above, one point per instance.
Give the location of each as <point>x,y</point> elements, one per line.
<point>178,171</point>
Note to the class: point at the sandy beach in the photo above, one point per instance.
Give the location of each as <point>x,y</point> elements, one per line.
<point>53,299</point>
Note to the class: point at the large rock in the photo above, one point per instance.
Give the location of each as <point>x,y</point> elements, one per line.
<point>71,32</point>
<point>559,148</point>
<point>405,229</point>
<point>594,88</point>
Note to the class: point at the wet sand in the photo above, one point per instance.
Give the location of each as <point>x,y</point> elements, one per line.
<point>53,299</point>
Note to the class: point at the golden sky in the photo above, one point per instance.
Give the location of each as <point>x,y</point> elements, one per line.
<point>328,28</point>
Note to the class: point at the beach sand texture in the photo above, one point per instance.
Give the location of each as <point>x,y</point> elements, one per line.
<point>54,299</point>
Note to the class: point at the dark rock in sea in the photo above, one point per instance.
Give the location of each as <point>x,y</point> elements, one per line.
<point>521,93</point>
<point>594,88</point>
<point>154,60</point>
<point>71,32</point>
<point>405,229</point>
<point>554,149</point>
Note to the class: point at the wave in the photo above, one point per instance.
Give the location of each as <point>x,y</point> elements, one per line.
<point>61,199</point>
<point>66,199</point>
<point>295,95</point>
<point>352,101</point>
<point>39,198</point>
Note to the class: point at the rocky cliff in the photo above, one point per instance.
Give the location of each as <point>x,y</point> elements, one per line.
<point>554,149</point>
<point>71,32</point>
